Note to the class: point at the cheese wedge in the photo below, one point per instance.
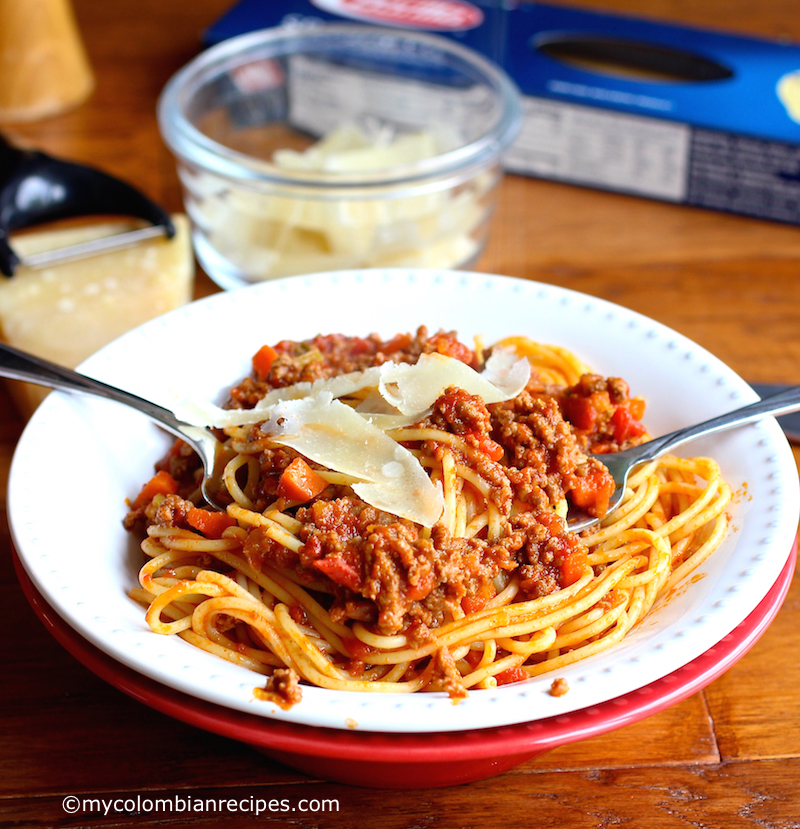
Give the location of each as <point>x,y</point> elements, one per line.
<point>67,312</point>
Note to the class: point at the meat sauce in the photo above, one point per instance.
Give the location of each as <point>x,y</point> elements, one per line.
<point>391,573</point>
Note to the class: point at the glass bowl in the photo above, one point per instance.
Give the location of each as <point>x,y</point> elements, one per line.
<point>320,147</point>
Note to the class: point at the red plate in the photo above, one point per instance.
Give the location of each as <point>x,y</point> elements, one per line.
<point>408,761</point>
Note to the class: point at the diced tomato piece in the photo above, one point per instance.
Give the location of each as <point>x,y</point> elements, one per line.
<point>511,675</point>
<point>339,571</point>
<point>488,446</point>
<point>326,343</point>
<point>580,412</point>
<point>210,523</point>
<point>625,425</point>
<point>358,345</point>
<point>162,483</point>
<point>299,482</point>
<point>263,359</point>
<point>285,346</point>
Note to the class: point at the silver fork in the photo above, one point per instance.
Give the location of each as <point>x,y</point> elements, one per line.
<point>621,464</point>
<point>19,365</point>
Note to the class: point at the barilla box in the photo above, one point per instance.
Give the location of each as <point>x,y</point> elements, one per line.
<point>636,106</point>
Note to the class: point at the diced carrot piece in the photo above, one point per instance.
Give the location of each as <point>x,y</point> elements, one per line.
<point>299,482</point>
<point>593,490</point>
<point>636,406</point>
<point>477,601</point>
<point>263,359</point>
<point>421,589</point>
<point>472,604</point>
<point>573,566</point>
<point>210,523</point>
<point>162,483</point>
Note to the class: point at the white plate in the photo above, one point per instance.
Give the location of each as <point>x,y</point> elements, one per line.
<point>79,459</point>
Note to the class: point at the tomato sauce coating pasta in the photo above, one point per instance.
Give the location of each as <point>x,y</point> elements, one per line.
<point>305,581</point>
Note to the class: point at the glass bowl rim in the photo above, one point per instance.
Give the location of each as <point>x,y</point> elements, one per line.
<point>192,147</point>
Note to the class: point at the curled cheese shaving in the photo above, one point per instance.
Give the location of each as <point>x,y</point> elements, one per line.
<point>409,389</point>
<point>310,418</point>
<point>327,431</point>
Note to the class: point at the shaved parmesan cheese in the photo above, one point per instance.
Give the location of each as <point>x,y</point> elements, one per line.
<point>506,371</point>
<point>408,389</point>
<point>348,149</point>
<point>269,232</point>
<point>415,388</point>
<point>309,418</point>
<point>202,413</point>
<point>389,422</point>
<point>329,432</point>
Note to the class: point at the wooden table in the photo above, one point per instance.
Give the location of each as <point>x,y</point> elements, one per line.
<point>728,756</point>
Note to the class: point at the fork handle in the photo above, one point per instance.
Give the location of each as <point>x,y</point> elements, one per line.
<point>777,404</point>
<point>19,365</point>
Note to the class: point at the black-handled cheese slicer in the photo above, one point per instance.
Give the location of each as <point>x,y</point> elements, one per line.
<point>36,188</point>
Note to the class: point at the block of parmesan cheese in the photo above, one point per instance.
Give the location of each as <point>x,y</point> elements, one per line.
<point>66,312</point>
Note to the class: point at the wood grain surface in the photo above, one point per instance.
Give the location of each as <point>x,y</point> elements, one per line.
<point>727,757</point>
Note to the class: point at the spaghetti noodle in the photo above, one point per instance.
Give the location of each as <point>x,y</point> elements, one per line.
<point>311,576</point>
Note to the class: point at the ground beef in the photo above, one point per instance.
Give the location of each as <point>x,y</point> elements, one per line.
<point>591,405</point>
<point>411,581</point>
<point>446,676</point>
<point>588,385</point>
<point>181,462</point>
<point>172,511</point>
<point>540,448</point>
<point>282,688</point>
<point>461,413</point>
<point>327,356</point>
<point>537,580</point>
<point>618,389</point>
<point>547,543</point>
<point>259,547</point>
<point>386,571</point>
<point>406,577</point>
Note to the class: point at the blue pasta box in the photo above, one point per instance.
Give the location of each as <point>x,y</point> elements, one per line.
<point>613,102</point>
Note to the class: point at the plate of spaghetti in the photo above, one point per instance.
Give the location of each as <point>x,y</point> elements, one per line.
<point>398,450</point>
